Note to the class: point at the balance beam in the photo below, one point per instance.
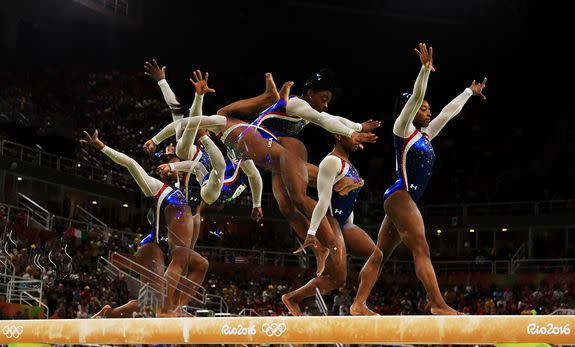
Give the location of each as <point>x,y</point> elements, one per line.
<point>296,330</point>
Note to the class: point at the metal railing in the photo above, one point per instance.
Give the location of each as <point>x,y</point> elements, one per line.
<point>218,254</point>
<point>216,303</point>
<point>248,312</point>
<point>119,7</point>
<point>70,166</point>
<point>17,285</point>
<point>563,311</point>
<point>10,212</point>
<point>561,265</point>
<point>149,297</point>
<point>517,257</point>
<point>28,299</point>
<point>320,302</point>
<point>8,268</point>
<point>38,214</point>
<point>67,223</point>
<point>194,291</point>
<point>135,284</point>
<point>285,259</point>
<point>89,218</point>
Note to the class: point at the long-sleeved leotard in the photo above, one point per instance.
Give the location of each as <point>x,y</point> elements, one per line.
<point>288,118</point>
<point>214,164</point>
<point>413,150</point>
<point>160,195</point>
<point>176,108</point>
<point>235,177</point>
<point>332,169</point>
<point>230,180</point>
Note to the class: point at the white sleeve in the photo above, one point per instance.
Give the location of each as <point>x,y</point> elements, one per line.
<point>449,111</point>
<point>214,123</point>
<point>185,165</point>
<point>169,130</point>
<point>297,107</point>
<point>185,145</point>
<point>216,157</point>
<point>171,99</point>
<point>328,170</point>
<point>149,185</point>
<point>403,125</point>
<point>255,180</point>
<point>196,109</point>
<point>357,127</point>
<point>173,104</point>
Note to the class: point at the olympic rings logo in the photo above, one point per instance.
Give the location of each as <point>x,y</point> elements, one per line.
<point>274,329</point>
<point>12,331</point>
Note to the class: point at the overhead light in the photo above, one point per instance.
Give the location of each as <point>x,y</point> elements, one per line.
<point>262,224</point>
<point>438,231</point>
<point>19,178</point>
<point>94,202</point>
<point>503,229</point>
<point>125,205</point>
<point>471,230</point>
<point>79,165</point>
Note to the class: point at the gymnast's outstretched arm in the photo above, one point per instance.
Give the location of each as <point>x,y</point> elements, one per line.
<point>297,107</point>
<point>150,186</point>
<point>403,125</point>
<point>453,108</point>
<point>329,168</point>
<point>255,181</point>
<point>213,123</point>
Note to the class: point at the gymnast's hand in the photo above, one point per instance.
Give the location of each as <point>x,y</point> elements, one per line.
<point>201,83</point>
<point>164,169</point>
<point>370,125</point>
<point>149,147</point>
<point>154,71</point>
<point>310,240</point>
<point>257,214</point>
<point>347,184</point>
<point>363,137</point>
<point>93,140</point>
<point>477,88</point>
<point>425,56</point>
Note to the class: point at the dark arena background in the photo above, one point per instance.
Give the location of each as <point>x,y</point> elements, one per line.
<point>497,219</point>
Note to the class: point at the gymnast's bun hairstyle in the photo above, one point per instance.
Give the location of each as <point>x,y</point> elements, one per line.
<point>400,101</point>
<point>323,80</point>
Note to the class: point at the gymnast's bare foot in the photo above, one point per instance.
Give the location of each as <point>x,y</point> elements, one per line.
<point>284,92</point>
<point>321,252</point>
<point>271,90</point>
<point>163,314</point>
<point>361,309</point>
<point>444,310</point>
<point>291,306</point>
<point>103,312</point>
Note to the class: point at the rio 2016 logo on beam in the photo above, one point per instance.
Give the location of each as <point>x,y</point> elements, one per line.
<point>238,330</point>
<point>548,329</point>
